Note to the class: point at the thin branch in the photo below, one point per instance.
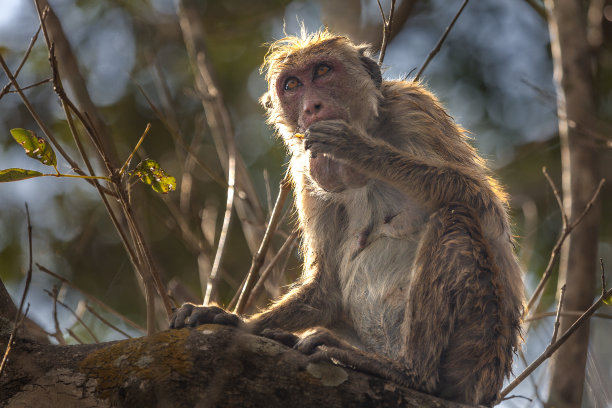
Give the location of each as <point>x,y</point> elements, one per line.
<point>93,299</point>
<point>106,322</point>
<point>76,316</point>
<point>558,316</point>
<point>16,322</point>
<point>568,313</point>
<point>129,159</point>
<point>180,141</point>
<point>538,8</point>
<point>58,331</point>
<point>284,249</point>
<point>75,336</point>
<point>603,276</point>
<point>260,256</point>
<point>565,232</point>
<point>555,346</point>
<point>7,87</point>
<point>211,285</point>
<point>34,85</point>
<point>386,30</point>
<point>438,46</point>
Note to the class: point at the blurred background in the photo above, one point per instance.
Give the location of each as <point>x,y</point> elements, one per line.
<point>494,74</point>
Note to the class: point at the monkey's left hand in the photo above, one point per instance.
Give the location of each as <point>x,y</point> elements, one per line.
<point>335,137</point>
<point>192,315</point>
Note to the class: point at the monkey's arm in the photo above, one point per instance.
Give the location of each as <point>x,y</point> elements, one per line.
<point>431,182</point>
<point>307,305</point>
<point>303,307</point>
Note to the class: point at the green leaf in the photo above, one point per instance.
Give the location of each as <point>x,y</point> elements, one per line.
<point>34,146</point>
<point>149,172</point>
<point>17,174</point>
<point>608,300</point>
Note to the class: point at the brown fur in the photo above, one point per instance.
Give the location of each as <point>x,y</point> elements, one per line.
<point>408,252</point>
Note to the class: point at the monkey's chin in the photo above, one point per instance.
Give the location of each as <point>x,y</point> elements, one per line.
<point>334,176</point>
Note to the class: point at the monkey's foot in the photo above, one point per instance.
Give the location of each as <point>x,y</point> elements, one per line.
<point>192,315</point>
<point>282,336</point>
<point>320,337</point>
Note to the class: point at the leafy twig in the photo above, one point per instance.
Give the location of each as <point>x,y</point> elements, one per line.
<point>438,46</point>
<point>129,159</point>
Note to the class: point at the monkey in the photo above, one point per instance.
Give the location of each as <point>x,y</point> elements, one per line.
<point>407,245</point>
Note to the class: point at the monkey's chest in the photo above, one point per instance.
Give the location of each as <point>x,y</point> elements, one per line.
<point>375,285</point>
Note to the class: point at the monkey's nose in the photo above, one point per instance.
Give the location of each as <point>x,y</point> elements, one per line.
<point>312,108</point>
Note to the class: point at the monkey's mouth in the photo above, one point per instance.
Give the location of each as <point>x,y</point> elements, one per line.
<point>334,176</point>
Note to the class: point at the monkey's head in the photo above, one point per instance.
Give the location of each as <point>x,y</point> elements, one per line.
<point>318,77</point>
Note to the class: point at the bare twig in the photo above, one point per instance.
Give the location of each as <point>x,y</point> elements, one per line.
<point>386,30</point>
<point>58,331</point>
<point>180,141</point>
<point>538,8</point>
<point>75,336</point>
<point>211,285</point>
<point>34,85</point>
<point>260,256</point>
<point>23,296</point>
<point>565,232</point>
<point>93,299</point>
<point>76,316</point>
<point>438,46</point>
<point>554,346</point>
<point>7,87</point>
<point>558,316</point>
<point>106,322</point>
<point>284,249</point>
<point>568,313</point>
<point>603,276</point>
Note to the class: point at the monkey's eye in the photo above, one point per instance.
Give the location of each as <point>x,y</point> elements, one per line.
<point>291,83</point>
<point>321,70</point>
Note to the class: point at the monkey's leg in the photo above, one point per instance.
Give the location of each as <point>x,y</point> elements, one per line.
<point>459,333</point>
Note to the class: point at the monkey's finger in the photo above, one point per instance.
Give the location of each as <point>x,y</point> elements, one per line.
<point>203,315</point>
<point>227,319</point>
<point>177,320</point>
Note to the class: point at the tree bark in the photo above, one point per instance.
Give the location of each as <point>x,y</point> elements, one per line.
<point>204,367</point>
<point>580,176</point>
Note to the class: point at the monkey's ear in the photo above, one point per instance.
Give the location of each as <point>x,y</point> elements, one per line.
<point>266,101</point>
<point>373,69</point>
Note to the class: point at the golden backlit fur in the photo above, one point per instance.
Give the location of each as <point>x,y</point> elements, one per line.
<point>409,269</point>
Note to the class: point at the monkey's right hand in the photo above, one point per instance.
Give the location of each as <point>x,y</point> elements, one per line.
<point>192,315</point>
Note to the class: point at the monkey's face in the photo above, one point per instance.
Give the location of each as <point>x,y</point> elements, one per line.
<point>332,83</point>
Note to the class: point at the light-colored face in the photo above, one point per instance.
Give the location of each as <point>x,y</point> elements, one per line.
<point>328,84</point>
